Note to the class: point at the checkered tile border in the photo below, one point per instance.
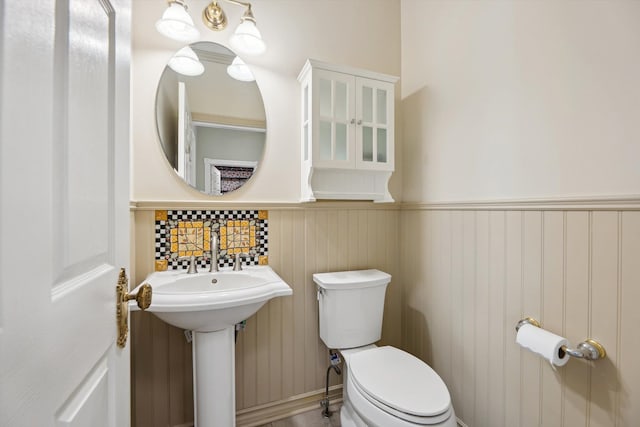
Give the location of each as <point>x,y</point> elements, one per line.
<point>163,231</point>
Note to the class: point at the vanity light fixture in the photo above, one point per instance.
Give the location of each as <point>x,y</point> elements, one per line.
<point>186,62</point>
<point>177,24</point>
<point>239,70</point>
<point>214,17</point>
<point>246,38</point>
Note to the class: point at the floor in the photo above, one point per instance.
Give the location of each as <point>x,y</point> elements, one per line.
<point>310,419</point>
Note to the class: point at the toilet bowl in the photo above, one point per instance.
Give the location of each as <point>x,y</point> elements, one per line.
<point>385,386</point>
<point>382,386</point>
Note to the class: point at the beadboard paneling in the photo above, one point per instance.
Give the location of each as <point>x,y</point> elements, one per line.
<point>279,355</point>
<point>468,276</point>
<point>575,271</point>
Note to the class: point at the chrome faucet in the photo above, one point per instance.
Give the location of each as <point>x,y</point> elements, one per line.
<point>214,252</point>
<point>192,269</point>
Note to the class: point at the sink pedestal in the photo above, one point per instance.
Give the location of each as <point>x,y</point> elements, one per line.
<point>214,386</point>
<point>210,305</point>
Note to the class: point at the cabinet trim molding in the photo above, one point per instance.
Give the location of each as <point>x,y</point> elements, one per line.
<point>346,69</point>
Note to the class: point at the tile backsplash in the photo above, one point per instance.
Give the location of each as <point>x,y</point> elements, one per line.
<point>180,234</point>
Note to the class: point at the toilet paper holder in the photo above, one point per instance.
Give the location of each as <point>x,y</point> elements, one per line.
<point>588,349</point>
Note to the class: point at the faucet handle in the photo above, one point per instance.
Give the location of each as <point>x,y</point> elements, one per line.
<point>237,264</point>
<point>192,264</point>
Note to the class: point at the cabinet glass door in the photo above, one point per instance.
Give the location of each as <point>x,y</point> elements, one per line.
<point>374,124</point>
<point>335,147</point>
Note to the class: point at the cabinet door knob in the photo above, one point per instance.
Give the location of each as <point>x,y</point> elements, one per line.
<point>359,122</point>
<point>352,121</point>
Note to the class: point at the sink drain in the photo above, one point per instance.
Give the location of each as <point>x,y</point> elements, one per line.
<point>214,281</point>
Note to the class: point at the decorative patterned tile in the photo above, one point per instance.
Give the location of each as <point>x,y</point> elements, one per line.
<point>161,265</point>
<point>183,233</point>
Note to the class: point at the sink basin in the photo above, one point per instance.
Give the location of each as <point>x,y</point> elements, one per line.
<point>206,302</point>
<point>210,304</point>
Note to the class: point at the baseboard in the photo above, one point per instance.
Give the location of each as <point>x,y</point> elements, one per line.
<point>273,411</point>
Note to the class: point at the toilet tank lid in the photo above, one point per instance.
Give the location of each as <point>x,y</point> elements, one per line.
<point>352,279</point>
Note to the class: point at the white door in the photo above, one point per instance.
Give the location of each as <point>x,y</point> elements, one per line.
<point>212,178</point>
<point>186,138</point>
<point>64,177</point>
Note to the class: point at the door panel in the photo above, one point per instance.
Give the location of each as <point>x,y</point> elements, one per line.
<point>85,146</point>
<point>87,405</point>
<point>186,138</point>
<point>89,143</point>
<point>64,211</point>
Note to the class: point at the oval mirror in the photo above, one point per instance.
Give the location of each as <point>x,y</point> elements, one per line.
<point>211,126</point>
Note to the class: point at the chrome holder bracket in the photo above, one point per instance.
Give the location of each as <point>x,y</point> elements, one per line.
<point>588,349</point>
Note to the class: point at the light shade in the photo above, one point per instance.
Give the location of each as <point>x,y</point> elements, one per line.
<point>247,39</point>
<point>177,24</point>
<point>240,71</point>
<point>186,62</point>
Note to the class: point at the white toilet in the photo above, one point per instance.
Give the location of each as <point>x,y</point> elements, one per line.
<point>382,386</point>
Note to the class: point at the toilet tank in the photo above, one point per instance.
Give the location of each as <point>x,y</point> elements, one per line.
<point>350,305</point>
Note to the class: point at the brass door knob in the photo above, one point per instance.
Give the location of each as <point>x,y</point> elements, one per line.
<point>142,297</point>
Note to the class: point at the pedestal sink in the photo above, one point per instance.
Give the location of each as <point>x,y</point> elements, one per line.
<point>210,305</point>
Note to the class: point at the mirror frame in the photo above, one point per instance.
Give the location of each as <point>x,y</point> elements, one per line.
<point>220,56</point>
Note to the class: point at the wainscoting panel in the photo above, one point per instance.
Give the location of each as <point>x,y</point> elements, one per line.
<point>471,274</point>
<point>468,275</point>
<point>279,355</point>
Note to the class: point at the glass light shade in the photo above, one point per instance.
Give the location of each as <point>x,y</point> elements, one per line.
<point>186,62</point>
<point>240,71</point>
<point>177,24</point>
<point>247,39</point>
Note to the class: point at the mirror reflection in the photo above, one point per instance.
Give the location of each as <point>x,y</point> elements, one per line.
<point>211,126</point>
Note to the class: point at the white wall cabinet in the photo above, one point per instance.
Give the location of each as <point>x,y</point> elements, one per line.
<point>347,132</point>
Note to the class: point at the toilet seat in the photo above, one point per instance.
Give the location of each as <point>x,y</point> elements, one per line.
<point>399,384</point>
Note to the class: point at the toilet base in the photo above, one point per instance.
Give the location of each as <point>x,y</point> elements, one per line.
<point>348,417</point>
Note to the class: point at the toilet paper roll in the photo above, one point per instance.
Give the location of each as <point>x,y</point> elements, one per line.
<point>544,343</point>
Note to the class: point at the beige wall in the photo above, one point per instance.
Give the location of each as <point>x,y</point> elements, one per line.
<point>520,99</point>
<point>500,100</point>
<point>516,100</point>
<point>279,356</point>
<point>470,275</point>
<point>337,31</point>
